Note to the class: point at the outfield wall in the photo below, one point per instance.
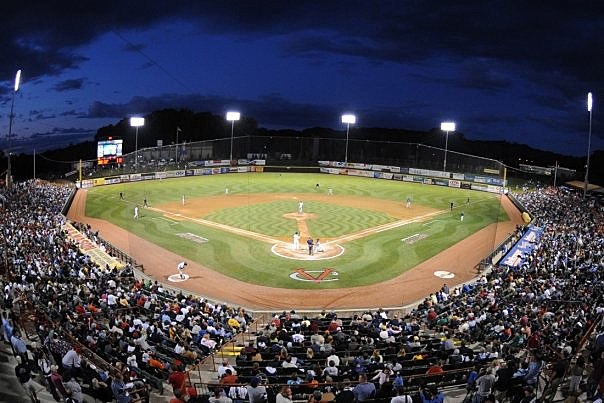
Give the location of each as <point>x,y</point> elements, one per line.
<point>482,183</point>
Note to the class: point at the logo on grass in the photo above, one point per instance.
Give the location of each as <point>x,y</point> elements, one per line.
<point>316,276</point>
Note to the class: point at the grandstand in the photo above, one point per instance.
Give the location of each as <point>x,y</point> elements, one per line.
<point>528,320</point>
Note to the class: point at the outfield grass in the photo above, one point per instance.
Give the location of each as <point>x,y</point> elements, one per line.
<point>368,260</point>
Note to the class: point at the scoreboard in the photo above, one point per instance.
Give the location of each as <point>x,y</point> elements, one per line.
<point>109,152</point>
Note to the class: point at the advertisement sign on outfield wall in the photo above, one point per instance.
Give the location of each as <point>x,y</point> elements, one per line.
<point>454,184</point>
<point>135,177</point>
<point>124,178</point>
<point>111,181</point>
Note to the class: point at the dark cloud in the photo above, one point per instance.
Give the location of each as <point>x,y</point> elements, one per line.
<point>69,85</point>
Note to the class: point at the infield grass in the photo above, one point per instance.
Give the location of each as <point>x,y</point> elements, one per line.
<point>367,260</point>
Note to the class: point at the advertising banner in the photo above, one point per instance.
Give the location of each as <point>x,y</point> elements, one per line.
<point>454,183</point>
<point>135,177</point>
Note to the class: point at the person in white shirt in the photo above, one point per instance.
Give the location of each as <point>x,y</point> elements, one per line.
<point>223,367</point>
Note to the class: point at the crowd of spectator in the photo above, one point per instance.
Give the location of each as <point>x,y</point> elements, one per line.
<point>514,329</point>
<point>511,330</point>
<point>136,332</point>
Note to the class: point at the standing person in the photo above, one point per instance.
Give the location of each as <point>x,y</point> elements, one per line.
<point>300,207</point>
<point>71,363</point>
<point>57,380</point>
<point>329,191</point>
<point>145,202</point>
<point>318,246</point>
<point>310,245</point>
<point>181,267</point>
<point>24,375</point>
<point>183,200</point>
<point>451,206</point>
<point>408,203</point>
<point>226,191</point>
<point>256,393</point>
<point>121,196</point>
<point>19,347</point>
<point>461,217</point>
<point>296,240</point>
<point>317,186</point>
<point>136,212</point>
<point>364,390</point>
<point>45,366</point>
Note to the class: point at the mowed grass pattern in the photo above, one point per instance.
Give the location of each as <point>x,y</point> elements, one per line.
<point>330,220</point>
<point>368,260</point>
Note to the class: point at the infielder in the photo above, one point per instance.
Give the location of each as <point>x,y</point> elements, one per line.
<point>300,207</point>
<point>136,212</point>
<point>296,240</point>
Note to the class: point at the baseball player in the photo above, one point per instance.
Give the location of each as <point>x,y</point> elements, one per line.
<point>181,268</point>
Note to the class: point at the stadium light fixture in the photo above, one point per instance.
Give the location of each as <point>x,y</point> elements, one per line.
<point>349,119</point>
<point>9,173</point>
<point>589,107</point>
<point>447,127</point>
<point>136,122</point>
<point>232,117</point>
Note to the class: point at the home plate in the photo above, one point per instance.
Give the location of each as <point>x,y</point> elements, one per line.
<point>176,278</point>
<point>444,274</point>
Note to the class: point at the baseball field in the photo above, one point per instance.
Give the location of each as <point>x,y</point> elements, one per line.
<point>242,225</point>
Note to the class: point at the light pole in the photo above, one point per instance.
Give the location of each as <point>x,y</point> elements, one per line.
<point>9,174</point>
<point>348,119</point>
<point>447,127</point>
<point>232,117</point>
<point>178,130</point>
<point>589,105</point>
<point>136,122</point>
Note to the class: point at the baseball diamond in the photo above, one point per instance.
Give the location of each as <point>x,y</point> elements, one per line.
<point>248,258</point>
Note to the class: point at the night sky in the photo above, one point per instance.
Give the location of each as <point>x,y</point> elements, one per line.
<point>503,70</point>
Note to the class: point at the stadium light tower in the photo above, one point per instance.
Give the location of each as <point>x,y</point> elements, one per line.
<point>232,117</point>
<point>447,127</point>
<point>589,105</point>
<point>9,177</point>
<point>349,119</point>
<point>136,122</point>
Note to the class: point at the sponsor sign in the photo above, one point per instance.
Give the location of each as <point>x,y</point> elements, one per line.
<point>454,183</point>
<point>491,171</point>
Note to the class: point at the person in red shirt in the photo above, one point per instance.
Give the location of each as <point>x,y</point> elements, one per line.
<point>435,369</point>
<point>228,378</point>
<point>177,379</point>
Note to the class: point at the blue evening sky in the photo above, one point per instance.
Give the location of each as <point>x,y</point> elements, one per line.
<point>512,70</point>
